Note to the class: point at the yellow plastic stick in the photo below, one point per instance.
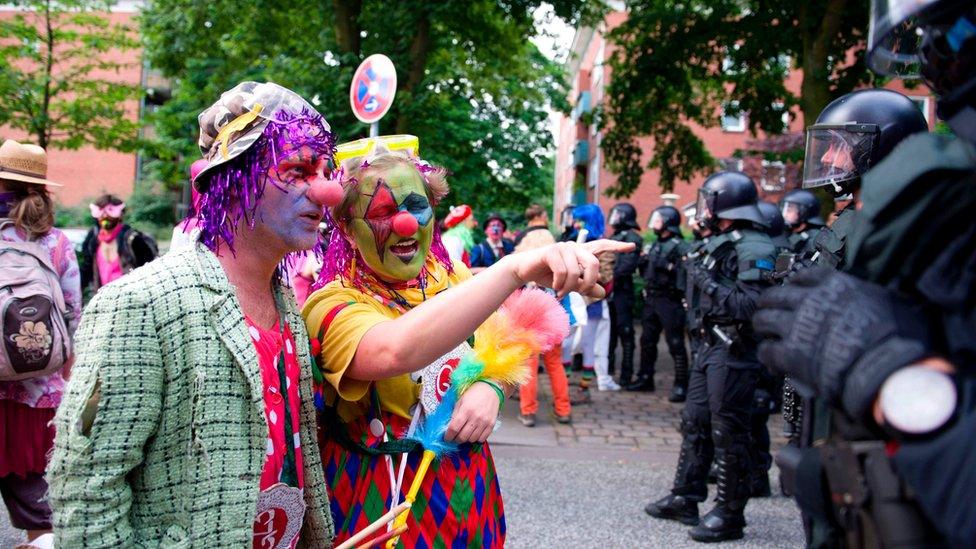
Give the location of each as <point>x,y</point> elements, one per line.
<point>418,479</point>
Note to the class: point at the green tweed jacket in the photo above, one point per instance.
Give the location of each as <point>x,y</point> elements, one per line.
<point>161,436</point>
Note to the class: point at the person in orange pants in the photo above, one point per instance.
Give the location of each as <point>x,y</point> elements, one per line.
<point>535,236</point>
<point>528,392</point>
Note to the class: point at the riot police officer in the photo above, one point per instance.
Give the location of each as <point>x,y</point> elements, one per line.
<point>623,219</point>
<point>894,353</point>
<point>700,237</point>
<point>660,264</point>
<point>769,389</point>
<point>736,267</point>
<point>852,134</point>
<point>801,212</point>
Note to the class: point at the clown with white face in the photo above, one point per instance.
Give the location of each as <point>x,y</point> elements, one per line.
<point>392,316</point>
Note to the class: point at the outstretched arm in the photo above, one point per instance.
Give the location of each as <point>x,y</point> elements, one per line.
<point>438,325</point>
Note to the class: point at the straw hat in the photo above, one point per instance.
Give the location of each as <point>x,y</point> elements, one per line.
<point>24,162</point>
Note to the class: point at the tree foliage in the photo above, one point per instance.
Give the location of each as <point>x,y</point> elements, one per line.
<point>471,84</point>
<point>677,63</point>
<point>57,81</point>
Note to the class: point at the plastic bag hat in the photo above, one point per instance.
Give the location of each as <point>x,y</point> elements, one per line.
<point>243,136</point>
<point>235,122</point>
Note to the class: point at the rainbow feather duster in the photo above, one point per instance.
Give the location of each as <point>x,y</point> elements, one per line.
<point>528,322</point>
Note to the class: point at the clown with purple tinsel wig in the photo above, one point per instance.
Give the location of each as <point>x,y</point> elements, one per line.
<point>393,314</point>
<point>189,417</point>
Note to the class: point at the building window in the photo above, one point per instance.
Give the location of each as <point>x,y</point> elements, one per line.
<point>731,164</point>
<point>593,172</point>
<point>773,176</point>
<point>733,122</point>
<point>922,102</point>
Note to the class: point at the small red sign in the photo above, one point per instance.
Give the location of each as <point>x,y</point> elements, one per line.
<point>373,88</point>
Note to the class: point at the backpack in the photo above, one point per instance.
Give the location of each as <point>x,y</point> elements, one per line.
<point>32,313</point>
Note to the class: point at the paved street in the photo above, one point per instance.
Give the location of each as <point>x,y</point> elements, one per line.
<point>585,484</point>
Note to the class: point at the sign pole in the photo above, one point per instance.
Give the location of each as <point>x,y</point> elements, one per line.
<point>374,129</point>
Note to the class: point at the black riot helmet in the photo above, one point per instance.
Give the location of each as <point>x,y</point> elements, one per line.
<point>775,226</point>
<point>728,195</point>
<point>855,132</point>
<point>623,216</point>
<point>665,218</point>
<point>801,206</point>
<point>934,39</point>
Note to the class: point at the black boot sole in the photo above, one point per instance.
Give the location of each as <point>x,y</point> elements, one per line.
<point>668,515</point>
<point>713,537</point>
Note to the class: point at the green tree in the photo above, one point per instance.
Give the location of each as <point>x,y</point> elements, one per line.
<point>678,63</point>
<point>57,80</point>
<point>471,84</point>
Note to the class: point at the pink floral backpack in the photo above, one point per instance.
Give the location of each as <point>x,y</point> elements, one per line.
<point>32,313</point>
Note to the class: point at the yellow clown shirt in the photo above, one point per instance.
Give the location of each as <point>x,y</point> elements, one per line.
<point>358,312</point>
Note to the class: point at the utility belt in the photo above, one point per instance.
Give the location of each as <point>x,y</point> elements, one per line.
<point>850,487</point>
<point>726,335</point>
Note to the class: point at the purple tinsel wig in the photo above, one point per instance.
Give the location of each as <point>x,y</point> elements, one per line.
<point>233,189</point>
<point>340,253</point>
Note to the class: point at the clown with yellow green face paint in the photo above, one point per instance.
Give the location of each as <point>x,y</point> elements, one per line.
<point>390,319</point>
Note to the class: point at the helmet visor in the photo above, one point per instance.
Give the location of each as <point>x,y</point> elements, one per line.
<point>894,37</point>
<point>703,208</point>
<point>837,153</point>
<point>615,217</point>
<point>657,222</point>
<point>791,213</point>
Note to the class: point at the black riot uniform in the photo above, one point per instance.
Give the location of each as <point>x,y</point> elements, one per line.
<point>769,389</point>
<point>696,252</point>
<point>736,266</point>
<point>910,301</point>
<point>801,213</point>
<point>660,264</point>
<point>623,219</point>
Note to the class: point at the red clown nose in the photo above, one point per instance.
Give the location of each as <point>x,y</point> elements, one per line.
<point>405,224</point>
<point>326,193</point>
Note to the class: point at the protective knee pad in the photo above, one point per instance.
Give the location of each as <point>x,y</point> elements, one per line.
<point>692,426</point>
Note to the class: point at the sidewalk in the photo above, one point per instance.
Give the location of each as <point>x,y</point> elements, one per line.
<point>614,425</point>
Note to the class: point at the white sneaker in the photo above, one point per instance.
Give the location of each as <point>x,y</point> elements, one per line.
<point>608,385</point>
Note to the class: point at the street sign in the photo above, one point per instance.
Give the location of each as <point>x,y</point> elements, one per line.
<point>373,88</point>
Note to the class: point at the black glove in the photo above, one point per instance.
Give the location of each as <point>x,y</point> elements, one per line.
<point>838,335</point>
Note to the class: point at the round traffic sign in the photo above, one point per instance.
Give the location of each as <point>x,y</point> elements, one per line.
<point>373,88</point>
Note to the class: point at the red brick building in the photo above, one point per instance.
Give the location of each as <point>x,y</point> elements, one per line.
<point>88,172</point>
<point>580,171</point>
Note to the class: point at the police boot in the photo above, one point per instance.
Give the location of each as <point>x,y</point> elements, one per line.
<point>672,507</point>
<point>643,384</point>
<point>626,361</point>
<point>727,519</point>
<point>680,390</point>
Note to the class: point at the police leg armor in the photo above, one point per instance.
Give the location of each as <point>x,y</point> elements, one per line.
<point>651,328</point>
<point>674,332</point>
<point>623,308</point>
<point>614,336</point>
<point>727,519</point>
<point>697,451</point>
<point>761,459</point>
